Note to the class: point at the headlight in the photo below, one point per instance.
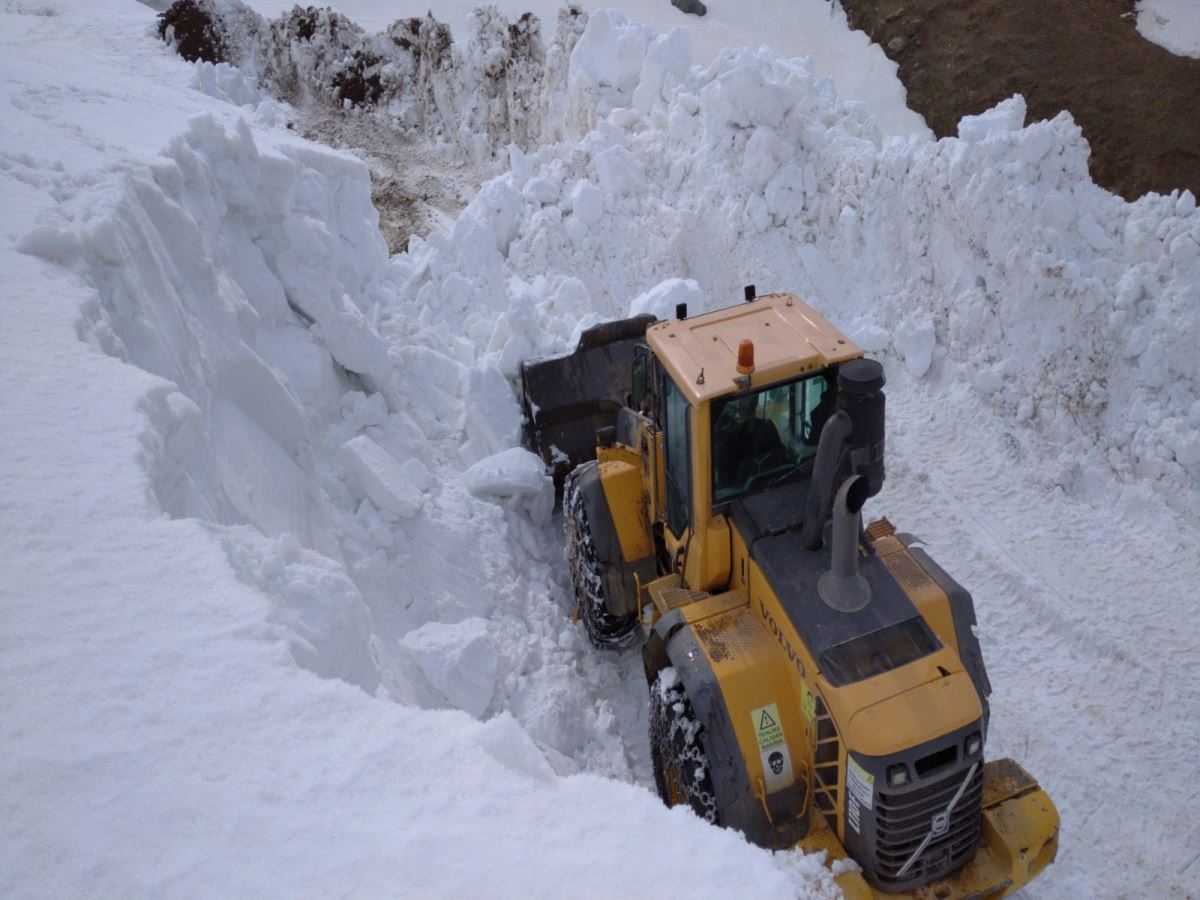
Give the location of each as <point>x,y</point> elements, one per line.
<point>974,745</point>
<point>897,775</point>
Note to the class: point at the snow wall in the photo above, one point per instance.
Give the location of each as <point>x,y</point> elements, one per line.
<point>345,423</point>
<point>991,258</point>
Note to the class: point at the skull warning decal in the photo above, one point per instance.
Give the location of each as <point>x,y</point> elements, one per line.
<point>772,747</point>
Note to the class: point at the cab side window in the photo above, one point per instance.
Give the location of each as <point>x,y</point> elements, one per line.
<point>677,420</point>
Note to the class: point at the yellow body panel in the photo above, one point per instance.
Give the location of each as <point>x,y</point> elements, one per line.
<point>658,486</point>
<point>708,568</point>
<point>789,336</point>
<point>753,682</point>
<point>902,720</point>
<point>628,503</point>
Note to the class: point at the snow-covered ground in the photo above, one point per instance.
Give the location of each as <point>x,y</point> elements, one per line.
<point>284,611</point>
<point>1174,24</point>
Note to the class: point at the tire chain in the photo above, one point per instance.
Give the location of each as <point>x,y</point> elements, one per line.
<point>603,628</point>
<point>674,730</point>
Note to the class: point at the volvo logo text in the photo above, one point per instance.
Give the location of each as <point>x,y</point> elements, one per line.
<point>779,636</point>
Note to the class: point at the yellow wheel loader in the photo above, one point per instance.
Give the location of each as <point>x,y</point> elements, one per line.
<point>812,682</point>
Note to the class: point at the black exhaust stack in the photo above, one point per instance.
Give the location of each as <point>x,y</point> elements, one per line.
<point>851,444</point>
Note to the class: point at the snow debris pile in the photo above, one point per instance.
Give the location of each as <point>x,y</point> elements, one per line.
<point>493,89</point>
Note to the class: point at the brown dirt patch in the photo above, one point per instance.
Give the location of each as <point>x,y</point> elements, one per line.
<point>415,186</point>
<point>1137,103</point>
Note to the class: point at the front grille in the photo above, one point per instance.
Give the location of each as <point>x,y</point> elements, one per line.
<point>904,819</point>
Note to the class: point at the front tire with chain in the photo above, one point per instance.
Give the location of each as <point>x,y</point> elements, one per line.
<point>681,769</point>
<point>604,629</point>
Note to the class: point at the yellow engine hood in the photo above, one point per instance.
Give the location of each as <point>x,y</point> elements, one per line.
<point>914,716</point>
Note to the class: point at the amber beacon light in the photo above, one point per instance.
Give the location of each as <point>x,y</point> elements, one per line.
<point>745,363</point>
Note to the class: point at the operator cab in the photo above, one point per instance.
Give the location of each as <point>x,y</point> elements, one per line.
<point>768,436</point>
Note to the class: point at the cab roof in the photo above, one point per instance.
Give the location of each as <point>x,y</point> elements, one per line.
<point>789,337</point>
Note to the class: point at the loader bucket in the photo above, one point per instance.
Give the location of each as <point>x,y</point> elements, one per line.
<point>564,400</point>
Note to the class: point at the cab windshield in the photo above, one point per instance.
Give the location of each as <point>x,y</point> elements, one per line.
<point>767,435</point>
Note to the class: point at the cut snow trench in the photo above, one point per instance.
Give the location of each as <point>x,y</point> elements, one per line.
<point>1004,278</point>
<point>364,522</point>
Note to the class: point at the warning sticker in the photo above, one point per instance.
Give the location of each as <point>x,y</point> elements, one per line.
<point>808,702</point>
<point>860,786</point>
<point>772,748</point>
<point>766,726</point>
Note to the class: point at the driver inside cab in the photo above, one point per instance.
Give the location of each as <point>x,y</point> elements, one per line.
<point>746,443</point>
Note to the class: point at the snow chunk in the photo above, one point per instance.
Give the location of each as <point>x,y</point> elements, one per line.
<point>743,98</point>
<point>355,344</point>
<point>458,660</point>
<point>320,611</point>
<point>869,336</point>
<point>1004,117</point>
<point>660,300</point>
<point>514,474</point>
<point>668,60</point>
<point>510,745</point>
<point>493,418</point>
<point>392,486</point>
<point>611,51</point>
<point>989,380</point>
<point>618,171</point>
<point>541,191</point>
<point>915,339</point>
<point>1091,231</point>
<point>1035,142</point>
<point>1184,441</point>
<point>51,244</point>
<point>587,202</point>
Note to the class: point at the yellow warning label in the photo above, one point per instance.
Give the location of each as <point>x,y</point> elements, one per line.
<point>808,702</point>
<point>766,726</point>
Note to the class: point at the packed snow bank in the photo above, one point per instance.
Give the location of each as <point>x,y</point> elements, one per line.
<point>1174,24</point>
<point>204,510</point>
<point>249,276</point>
<point>992,258</point>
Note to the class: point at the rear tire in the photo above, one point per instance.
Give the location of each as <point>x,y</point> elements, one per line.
<point>604,629</point>
<point>681,769</point>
